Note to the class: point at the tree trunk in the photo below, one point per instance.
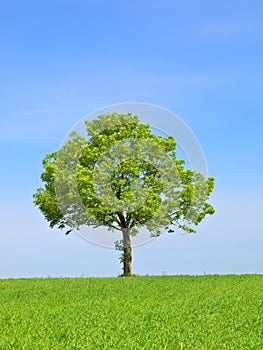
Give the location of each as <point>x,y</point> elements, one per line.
<point>127,252</point>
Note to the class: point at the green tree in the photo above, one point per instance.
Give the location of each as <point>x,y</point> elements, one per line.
<point>123,177</point>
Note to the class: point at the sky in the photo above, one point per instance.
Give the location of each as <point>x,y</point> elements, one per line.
<point>201,60</point>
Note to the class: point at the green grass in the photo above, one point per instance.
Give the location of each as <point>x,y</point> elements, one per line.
<point>161,312</point>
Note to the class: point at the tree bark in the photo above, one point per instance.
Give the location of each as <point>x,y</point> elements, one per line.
<point>127,252</point>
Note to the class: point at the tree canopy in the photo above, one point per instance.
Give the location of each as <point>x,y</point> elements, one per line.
<point>123,177</point>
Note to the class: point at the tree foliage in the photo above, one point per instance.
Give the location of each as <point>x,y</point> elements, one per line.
<point>123,177</point>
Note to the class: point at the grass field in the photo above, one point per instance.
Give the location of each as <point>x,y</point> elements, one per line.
<point>150,312</point>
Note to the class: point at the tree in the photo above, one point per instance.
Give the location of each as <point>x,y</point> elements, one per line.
<point>123,177</point>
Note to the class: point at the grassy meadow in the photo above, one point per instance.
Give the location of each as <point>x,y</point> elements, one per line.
<point>147,312</point>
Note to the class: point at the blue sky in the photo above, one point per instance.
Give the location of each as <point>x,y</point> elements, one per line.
<point>202,60</point>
